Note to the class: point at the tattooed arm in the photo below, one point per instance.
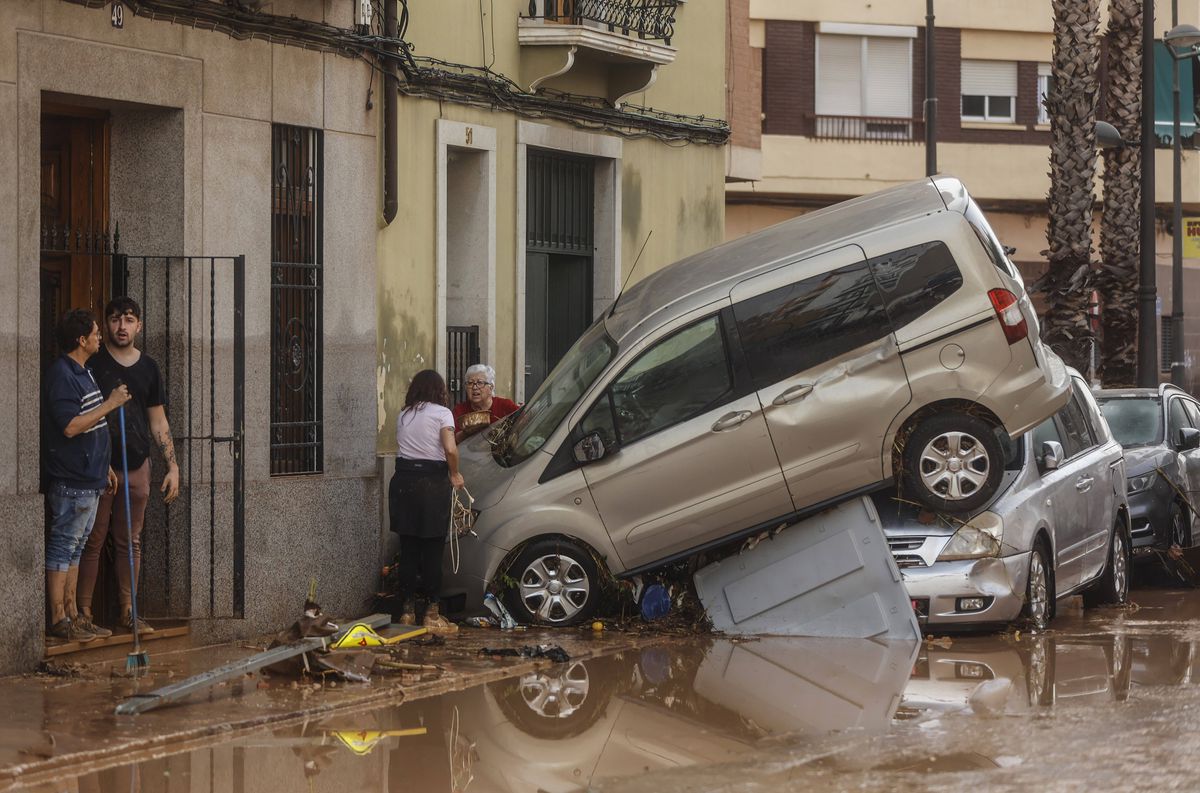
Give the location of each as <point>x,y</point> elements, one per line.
<point>161,430</point>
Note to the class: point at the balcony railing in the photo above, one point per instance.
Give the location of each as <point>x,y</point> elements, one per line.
<point>875,128</point>
<point>653,20</point>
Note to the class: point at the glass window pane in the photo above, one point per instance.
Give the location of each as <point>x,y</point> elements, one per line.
<point>1046,431</point>
<point>1134,422</point>
<point>974,106</point>
<point>675,380</point>
<point>1078,436</point>
<point>796,327</point>
<point>914,280</point>
<point>1176,420</point>
<point>600,420</point>
<point>1000,107</point>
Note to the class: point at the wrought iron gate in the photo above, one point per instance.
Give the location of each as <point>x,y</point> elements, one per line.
<point>193,317</point>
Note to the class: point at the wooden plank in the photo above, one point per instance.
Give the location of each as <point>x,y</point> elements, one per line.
<point>140,703</point>
<point>117,639</point>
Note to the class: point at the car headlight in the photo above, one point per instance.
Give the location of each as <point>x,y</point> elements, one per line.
<point>976,540</point>
<point>1140,482</point>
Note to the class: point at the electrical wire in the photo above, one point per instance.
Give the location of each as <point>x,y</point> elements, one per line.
<point>429,77</point>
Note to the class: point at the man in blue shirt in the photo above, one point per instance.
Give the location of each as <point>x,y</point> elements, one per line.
<point>77,463</point>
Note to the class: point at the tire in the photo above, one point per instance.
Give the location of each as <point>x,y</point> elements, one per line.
<point>1113,586</point>
<point>1179,528</point>
<point>953,462</point>
<point>1039,679</point>
<point>1039,588</point>
<point>557,583</point>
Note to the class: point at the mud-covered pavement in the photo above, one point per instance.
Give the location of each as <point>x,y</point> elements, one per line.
<point>1106,700</point>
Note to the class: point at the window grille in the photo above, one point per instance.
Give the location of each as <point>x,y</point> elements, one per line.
<point>296,279</point>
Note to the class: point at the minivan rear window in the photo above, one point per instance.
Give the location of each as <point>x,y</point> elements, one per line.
<point>987,238</point>
<point>914,280</point>
<point>796,327</point>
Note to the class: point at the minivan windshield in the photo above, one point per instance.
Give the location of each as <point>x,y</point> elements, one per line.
<point>573,375</point>
<point>1134,421</point>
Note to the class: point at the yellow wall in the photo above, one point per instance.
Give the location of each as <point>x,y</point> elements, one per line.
<point>671,193</point>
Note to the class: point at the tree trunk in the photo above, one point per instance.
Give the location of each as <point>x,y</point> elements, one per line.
<point>1120,229</point>
<point>1072,110</point>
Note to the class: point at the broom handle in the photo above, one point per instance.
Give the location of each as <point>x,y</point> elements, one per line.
<point>129,528</point>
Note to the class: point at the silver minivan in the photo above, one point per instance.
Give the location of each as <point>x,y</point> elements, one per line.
<point>879,340</point>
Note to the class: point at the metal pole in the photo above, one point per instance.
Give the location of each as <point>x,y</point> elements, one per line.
<point>930,95</point>
<point>1147,359</point>
<point>1177,368</point>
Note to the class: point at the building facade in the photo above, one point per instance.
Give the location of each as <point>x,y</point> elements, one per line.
<point>228,165</point>
<point>842,115</point>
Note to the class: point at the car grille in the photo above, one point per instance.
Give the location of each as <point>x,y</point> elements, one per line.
<point>904,551</point>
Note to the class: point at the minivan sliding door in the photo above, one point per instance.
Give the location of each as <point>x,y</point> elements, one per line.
<point>826,370</point>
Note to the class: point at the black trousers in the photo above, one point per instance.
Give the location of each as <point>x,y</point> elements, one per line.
<point>419,502</point>
<point>420,568</point>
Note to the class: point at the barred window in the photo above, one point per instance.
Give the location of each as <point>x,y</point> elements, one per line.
<point>296,334</point>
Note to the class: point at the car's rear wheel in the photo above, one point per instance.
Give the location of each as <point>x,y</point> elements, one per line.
<point>953,462</point>
<point>557,583</point>
<point>1039,589</point>
<point>1113,586</point>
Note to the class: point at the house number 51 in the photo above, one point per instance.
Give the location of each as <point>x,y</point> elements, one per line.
<point>118,14</point>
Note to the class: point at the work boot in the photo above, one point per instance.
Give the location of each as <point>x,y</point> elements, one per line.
<point>436,623</point>
<point>84,621</point>
<point>142,626</point>
<point>408,613</point>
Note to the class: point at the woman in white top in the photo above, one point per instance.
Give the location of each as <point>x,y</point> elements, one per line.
<point>419,495</point>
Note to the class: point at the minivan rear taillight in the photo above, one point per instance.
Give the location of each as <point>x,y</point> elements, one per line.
<point>1011,318</point>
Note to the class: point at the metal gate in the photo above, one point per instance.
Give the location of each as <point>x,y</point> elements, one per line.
<point>193,318</point>
<point>463,352</point>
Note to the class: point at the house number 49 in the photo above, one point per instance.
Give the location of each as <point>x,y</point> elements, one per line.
<point>118,14</point>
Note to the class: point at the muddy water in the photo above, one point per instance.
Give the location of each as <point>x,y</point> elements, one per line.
<point>1105,700</point>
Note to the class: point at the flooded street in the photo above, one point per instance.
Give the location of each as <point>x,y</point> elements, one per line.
<point>1106,695</point>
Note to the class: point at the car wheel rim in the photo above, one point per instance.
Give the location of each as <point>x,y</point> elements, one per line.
<point>554,588</point>
<point>1120,572</point>
<point>1177,529</point>
<point>556,696</point>
<point>1038,684</point>
<point>1037,591</point>
<point>954,465</point>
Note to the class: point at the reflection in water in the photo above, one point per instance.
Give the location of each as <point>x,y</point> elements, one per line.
<point>563,727</point>
<point>673,705</point>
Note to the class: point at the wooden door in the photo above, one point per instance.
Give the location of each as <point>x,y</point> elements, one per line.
<point>75,270</point>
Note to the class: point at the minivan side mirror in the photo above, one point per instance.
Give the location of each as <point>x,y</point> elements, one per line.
<point>1052,456</point>
<point>589,449</point>
<point>1188,439</point>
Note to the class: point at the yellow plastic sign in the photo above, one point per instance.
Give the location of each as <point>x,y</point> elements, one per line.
<point>363,635</point>
<point>363,741</point>
<point>1191,238</point>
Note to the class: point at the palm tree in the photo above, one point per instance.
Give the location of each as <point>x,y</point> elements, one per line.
<point>1117,278</point>
<point>1072,110</point>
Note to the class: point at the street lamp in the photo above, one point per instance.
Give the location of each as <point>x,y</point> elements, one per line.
<point>1185,38</point>
<point>1147,345</point>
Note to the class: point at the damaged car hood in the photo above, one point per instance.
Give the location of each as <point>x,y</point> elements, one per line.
<point>1142,459</point>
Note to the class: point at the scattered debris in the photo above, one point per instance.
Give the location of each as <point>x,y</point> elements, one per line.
<point>53,669</point>
<point>551,651</point>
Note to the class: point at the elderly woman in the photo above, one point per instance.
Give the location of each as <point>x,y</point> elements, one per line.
<point>419,496</point>
<point>481,406</point>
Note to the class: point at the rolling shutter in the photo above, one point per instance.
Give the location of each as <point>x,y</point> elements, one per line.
<point>989,78</point>
<point>839,76</point>
<point>889,77</point>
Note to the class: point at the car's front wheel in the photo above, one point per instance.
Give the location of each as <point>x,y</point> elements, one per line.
<point>1181,531</point>
<point>557,583</point>
<point>953,462</point>
<point>1039,589</point>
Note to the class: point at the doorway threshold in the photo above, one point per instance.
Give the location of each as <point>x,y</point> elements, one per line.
<point>173,632</point>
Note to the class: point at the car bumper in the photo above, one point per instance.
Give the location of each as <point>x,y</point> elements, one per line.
<point>999,581</point>
<point>463,591</point>
<point>1150,516</point>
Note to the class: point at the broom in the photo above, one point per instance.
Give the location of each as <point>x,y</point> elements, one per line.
<point>137,659</point>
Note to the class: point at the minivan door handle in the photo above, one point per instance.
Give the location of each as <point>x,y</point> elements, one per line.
<point>793,393</point>
<point>1084,484</point>
<point>731,420</point>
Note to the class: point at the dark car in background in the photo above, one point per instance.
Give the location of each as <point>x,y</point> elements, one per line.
<point>1159,429</point>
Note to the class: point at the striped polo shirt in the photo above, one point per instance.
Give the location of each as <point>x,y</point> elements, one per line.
<point>69,390</point>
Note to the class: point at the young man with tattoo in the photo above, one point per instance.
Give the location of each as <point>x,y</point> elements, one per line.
<point>120,362</point>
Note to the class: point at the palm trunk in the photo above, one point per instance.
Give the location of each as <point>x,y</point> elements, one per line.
<point>1072,110</point>
<point>1120,228</point>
